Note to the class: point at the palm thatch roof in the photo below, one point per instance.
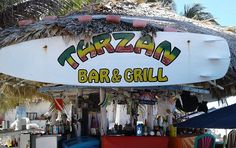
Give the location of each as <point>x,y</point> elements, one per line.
<point>158,17</point>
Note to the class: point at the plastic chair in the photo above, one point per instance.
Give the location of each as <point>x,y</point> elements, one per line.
<point>204,141</point>
<point>231,142</point>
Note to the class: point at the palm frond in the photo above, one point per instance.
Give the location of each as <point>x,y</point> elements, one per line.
<point>166,3</point>
<point>12,95</point>
<point>196,11</point>
<point>13,10</point>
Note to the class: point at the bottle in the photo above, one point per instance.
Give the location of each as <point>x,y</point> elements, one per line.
<point>16,143</point>
<point>12,142</point>
<point>54,129</point>
<point>62,129</point>
<point>59,128</point>
<point>50,129</point>
<point>139,130</point>
<point>47,129</point>
<point>9,142</point>
<point>145,128</point>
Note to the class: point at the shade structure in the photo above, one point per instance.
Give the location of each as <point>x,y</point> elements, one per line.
<point>220,118</point>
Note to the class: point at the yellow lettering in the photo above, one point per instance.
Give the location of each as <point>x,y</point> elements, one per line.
<point>138,75</point>
<point>82,75</point>
<point>93,76</point>
<point>161,78</point>
<point>128,75</point>
<point>145,72</point>
<point>104,75</point>
<point>150,76</point>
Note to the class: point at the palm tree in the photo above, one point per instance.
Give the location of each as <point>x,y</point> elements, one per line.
<point>13,10</point>
<point>166,3</point>
<point>13,93</point>
<point>196,11</point>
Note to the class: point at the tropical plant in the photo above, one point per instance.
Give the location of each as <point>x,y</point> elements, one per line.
<point>12,95</point>
<point>196,11</point>
<point>14,91</point>
<point>13,10</point>
<point>167,3</point>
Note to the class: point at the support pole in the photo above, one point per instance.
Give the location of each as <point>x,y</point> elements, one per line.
<point>216,85</point>
<point>103,125</point>
<point>78,111</point>
<point>150,116</point>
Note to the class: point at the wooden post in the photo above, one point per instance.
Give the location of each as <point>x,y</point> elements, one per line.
<point>79,93</point>
<point>79,112</point>
<point>150,116</point>
<point>103,124</point>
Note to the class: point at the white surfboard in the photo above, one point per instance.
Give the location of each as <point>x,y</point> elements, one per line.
<point>119,59</point>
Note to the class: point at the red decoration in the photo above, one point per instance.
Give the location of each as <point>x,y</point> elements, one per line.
<point>59,105</point>
<point>49,18</point>
<point>113,19</point>
<point>85,18</point>
<point>25,22</point>
<point>170,29</point>
<point>139,23</point>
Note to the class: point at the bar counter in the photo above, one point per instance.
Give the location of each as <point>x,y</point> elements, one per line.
<point>134,142</point>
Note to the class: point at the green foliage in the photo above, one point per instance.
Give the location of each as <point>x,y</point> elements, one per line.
<point>13,10</point>
<point>13,95</point>
<point>151,1</point>
<point>73,5</point>
<point>168,3</point>
<point>196,11</point>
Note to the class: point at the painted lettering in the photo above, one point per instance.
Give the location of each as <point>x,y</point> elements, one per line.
<point>116,77</point>
<point>138,77</point>
<point>103,41</point>
<point>93,76</point>
<point>160,76</point>
<point>128,75</point>
<point>82,75</point>
<point>66,56</point>
<point>168,56</point>
<point>104,75</point>
<point>82,52</point>
<point>151,78</point>
<point>124,44</point>
<point>144,75</point>
<point>146,43</point>
<point>125,38</point>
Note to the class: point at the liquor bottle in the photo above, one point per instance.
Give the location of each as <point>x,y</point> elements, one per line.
<point>50,129</point>
<point>16,142</point>
<point>54,129</point>
<point>145,128</point>
<point>59,128</point>
<point>139,130</point>
<point>62,129</point>
<point>12,143</point>
<point>47,128</point>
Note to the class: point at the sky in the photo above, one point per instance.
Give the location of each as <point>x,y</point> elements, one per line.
<point>223,11</point>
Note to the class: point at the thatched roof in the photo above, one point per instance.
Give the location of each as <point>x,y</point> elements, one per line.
<point>158,17</point>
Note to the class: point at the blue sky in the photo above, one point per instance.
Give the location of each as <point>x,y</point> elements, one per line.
<point>223,11</point>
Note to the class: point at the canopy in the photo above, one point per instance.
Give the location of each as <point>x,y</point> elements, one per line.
<point>220,118</point>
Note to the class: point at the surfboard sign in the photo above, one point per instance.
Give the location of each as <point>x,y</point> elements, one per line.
<point>119,59</point>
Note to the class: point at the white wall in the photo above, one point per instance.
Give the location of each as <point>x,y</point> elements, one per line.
<point>121,115</point>
<point>40,108</point>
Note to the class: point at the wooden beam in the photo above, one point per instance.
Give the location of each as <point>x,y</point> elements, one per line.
<point>150,116</point>
<point>103,125</point>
